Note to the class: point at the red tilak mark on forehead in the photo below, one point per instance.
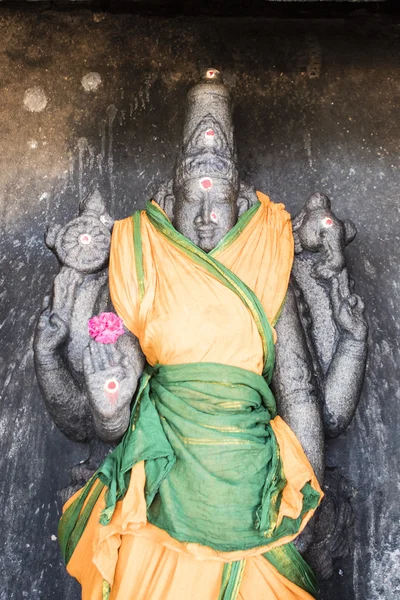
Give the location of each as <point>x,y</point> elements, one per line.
<point>213,216</point>
<point>328,222</point>
<point>210,132</point>
<point>112,385</point>
<point>206,183</point>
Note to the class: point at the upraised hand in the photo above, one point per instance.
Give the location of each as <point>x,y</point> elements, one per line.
<point>51,331</point>
<point>348,308</point>
<point>111,382</point>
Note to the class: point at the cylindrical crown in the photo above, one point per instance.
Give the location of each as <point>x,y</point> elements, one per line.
<point>208,145</point>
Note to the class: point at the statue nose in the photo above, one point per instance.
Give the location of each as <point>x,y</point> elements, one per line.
<point>205,209</point>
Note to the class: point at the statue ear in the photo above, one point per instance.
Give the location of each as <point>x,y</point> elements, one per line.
<point>168,206</point>
<point>165,198</point>
<point>243,205</point>
<point>247,197</point>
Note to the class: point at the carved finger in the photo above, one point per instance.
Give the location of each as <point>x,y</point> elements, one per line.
<point>113,354</point>
<point>343,280</point>
<point>43,321</point>
<point>351,302</point>
<point>359,305</point>
<point>57,323</point>
<point>94,354</point>
<point>126,363</point>
<point>87,362</point>
<point>335,295</point>
<point>46,303</point>
<point>102,352</point>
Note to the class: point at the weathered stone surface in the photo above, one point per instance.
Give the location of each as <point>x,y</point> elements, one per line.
<point>317,108</point>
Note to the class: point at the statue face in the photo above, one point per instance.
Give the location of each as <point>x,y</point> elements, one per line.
<point>205,209</point>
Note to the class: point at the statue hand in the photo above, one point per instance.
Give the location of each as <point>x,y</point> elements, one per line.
<point>111,383</point>
<point>348,311</point>
<point>51,330</point>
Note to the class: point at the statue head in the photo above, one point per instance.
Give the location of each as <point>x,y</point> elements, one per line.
<point>204,204</point>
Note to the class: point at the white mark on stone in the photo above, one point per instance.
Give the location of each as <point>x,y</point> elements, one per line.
<point>111,385</point>
<point>91,82</point>
<point>314,57</point>
<point>35,100</point>
<point>85,239</point>
<point>82,147</point>
<point>111,114</point>
<point>206,183</point>
<point>211,73</point>
<point>99,17</point>
<point>53,538</point>
<point>44,196</point>
<point>307,147</point>
<point>33,144</point>
<point>101,156</point>
<point>327,222</point>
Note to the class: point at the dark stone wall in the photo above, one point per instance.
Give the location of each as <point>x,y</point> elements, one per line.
<point>317,108</point>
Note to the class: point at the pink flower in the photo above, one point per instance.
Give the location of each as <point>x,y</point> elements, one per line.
<point>106,328</point>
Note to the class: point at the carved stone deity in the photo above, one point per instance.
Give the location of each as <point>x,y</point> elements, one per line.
<point>106,391</point>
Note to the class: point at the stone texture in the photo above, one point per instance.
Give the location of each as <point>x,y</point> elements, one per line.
<point>317,108</point>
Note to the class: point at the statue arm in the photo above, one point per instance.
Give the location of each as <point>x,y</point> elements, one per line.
<point>294,386</point>
<point>66,401</point>
<point>345,374</point>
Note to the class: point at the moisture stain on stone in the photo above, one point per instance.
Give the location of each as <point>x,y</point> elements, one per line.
<point>35,99</point>
<point>91,82</point>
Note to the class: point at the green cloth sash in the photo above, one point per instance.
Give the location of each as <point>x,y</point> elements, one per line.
<point>213,472</point>
<point>223,491</point>
<point>288,561</point>
<point>232,576</point>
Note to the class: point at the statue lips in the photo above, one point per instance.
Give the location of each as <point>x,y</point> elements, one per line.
<point>206,233</point>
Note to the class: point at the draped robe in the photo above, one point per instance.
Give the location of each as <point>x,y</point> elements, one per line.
<point>209,486</point>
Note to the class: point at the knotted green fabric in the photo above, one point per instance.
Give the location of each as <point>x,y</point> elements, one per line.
<point>213,472</point>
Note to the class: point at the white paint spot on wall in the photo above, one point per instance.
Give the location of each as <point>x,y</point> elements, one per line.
<point>91,82</point>
<point>35,99</point>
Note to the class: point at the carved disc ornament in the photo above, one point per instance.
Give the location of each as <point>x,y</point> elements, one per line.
<point>84,244</point>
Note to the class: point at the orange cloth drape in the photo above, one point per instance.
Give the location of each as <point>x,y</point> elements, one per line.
<point>187,316</point>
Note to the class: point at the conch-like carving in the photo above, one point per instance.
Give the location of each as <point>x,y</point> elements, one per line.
<point>317,229</point>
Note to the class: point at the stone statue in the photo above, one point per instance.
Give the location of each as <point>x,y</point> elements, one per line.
<point>321,348</point>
